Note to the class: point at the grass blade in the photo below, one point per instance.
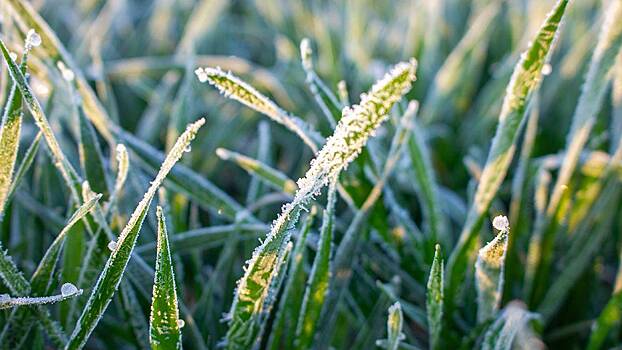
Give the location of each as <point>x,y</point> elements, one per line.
<point>351,134</point>
<point>68,291</point>
<point>590,101</point>
<point>233,87</point>
<point>319,278</point>
<point>91,157</point>
<point>489,271</point>
<point>501,333</point>
<point>283,331</point>
<point>164,322</point>
<point>434,300</point>
<point>524,82</point>
<point>112,273</point>
<point>270,176</point>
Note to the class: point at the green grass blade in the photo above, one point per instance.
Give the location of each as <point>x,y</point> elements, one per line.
<point>134,314</point>
<point>609,316</point>
<point>42,277</point>
<point>434,300</point>
<point>185,180</point>
<point>283,331</point>
<point>68,291</point>
<point>274,178</point>
<point>427,188</point>
<point>112,273</point>
<point>524,82</point>
<point>9,143</point>
<point>489,269</point>
<point>233,87</point>
<point>351,134</point>
<point>319,278</point>
<point>91,157</point>
<point>164,322</point>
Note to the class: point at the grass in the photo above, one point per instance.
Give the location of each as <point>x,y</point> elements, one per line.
<point>418,131</point>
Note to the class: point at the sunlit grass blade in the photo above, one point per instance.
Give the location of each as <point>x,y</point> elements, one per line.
<point>164,322</point>
<point>234,88</point>
<point>9,142</point>
<point>434,300</point>
<point>112,273</point>
<point>525,80</point>
<point>205,238</point>
<point>489,269</point>
<point>27,17</point>
<point>351,134</point>
<point>502,333</point>
<point>319,278</point>
<point>67,291</point>
<point>25,164</point>
<point>585,116</point>
<point>269,175</point>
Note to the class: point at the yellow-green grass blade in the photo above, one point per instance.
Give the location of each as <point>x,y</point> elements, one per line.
<point>164,330</point>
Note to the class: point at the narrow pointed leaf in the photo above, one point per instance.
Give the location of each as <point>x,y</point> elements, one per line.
<point>112,273</point>
<point>434,300</point>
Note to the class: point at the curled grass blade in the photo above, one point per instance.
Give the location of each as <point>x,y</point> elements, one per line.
<point>489,269</point>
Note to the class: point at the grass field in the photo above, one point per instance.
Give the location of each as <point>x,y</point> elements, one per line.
<point>289,174</point>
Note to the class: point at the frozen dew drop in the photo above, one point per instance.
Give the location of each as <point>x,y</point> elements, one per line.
<point>547,69</point>
<point>67,73</point>
<point>33,39</point>
<point>112,245</point>
<point>220,211</point>
<point>501,223</point>
<point>181,323</point>
<point>201,74</point>
<point>68,289</point>
<point>188,149</point>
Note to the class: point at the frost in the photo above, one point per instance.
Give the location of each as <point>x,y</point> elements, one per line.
<point>4,298</point>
